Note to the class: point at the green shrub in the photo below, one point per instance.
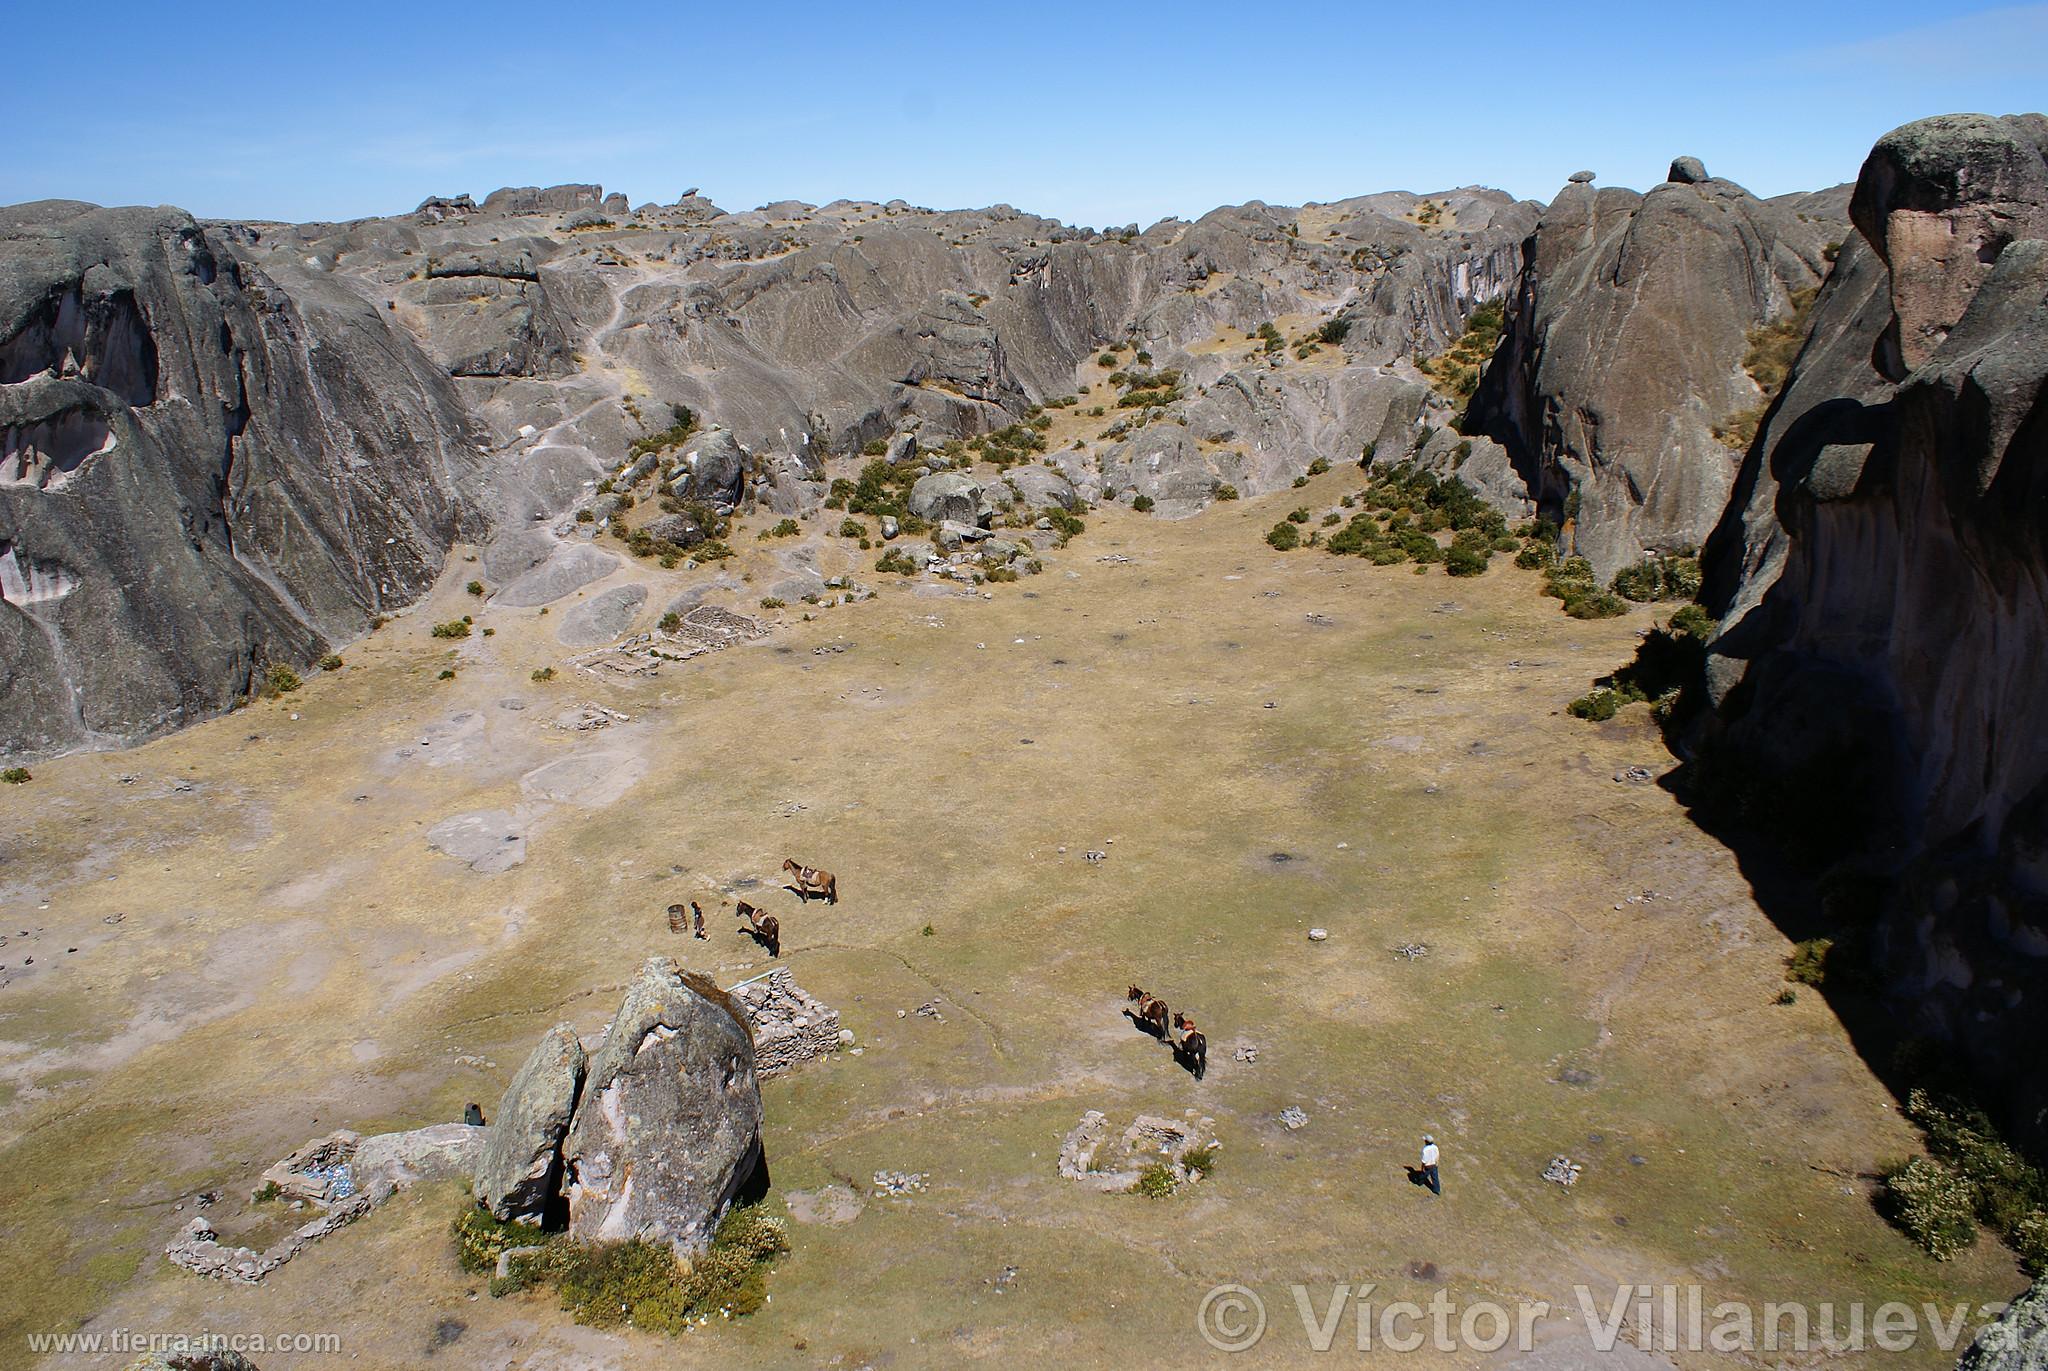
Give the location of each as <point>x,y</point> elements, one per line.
<point>1455,372</point>
<point>1333,331</point>
<point>584,516</point>
<point>475,588</point>
<point>479,1238</point>
<point>16,775</point>
<point>675,435</point>
<point>1598,707</point>
<point>1065,524</point>
<point>280,680</point>
<point>1226,492</point>
<point>331,662</point>
<point>1300,481</point>
<point>1143,504</point>
<point>1599,605</point>
<point>874,447</point>
<point>631,1284</point>
<point>894,560</point>
<point>772,602</point>
<point>1808,964</point>
<point>2029,1241</point>
<point>1787,996</point>
<point>1200,1161</point>
<point>1319,466</point>
<point>1284,536</point>
<point>1931,1204</point>
<point>1693,621</point>
<point>671,622</point>
<point>1463,561</point>
<point>1659,578</point>
<point>1299,515</point>
<point>852,528</point>
<point>546,673</point>
<point>2007,1189</point>
<point>454,628</point>
<point>447,674</point>
<point>1155,1182</point>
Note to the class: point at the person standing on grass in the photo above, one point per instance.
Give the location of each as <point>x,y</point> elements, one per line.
<point>1429,1172</point>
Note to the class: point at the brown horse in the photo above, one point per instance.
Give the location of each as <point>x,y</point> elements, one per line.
<point>811,881</point>
<point>766,929</point>
<point>1150,1014</point>
<point>1193,1046</point>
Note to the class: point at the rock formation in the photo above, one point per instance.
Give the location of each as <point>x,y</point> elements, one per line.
<point>520,1170</point>
<point>2018,1341</point>
<point>282,423</point>
<point>668,1130</point>
<point>202,472</point>
<point>1623,353</point>
<point>1882,579</point>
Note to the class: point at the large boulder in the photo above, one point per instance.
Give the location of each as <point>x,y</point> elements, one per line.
<point>2018,1341</point>
<point>388,1162</point>
<point>714,469</point>
<point>949,495</point>
<point>1038,487</point>
<point>667,1132</point>
<point>518,1175</point>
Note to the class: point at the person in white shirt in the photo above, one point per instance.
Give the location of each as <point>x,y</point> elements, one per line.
<point>1429,1172</point>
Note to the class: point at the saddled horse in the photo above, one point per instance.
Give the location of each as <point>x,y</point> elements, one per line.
<point>1192,1047</point>
<point>1150,1014</point>
<point>809,881</point>
<point>766,929</point>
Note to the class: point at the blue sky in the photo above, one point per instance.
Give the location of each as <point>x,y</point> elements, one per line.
<point>1099,114</point>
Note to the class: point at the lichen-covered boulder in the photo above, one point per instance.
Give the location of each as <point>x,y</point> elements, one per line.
<point>388,1162</point>
<point>520,1168</point>
<point>668,1129</point>
<point>945,495</point>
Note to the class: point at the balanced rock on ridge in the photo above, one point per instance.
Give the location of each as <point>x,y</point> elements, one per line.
<point>517,1174</point>
<point>667,1132</point>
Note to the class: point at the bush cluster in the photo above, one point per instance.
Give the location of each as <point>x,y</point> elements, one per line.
<point>1675,577</point>
<point>1572,582</point>
<point>1455,372</point>
<point>634,1283</point>
<point>675,435</point>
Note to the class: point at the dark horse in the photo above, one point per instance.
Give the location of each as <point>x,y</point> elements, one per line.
<point>766,929</point>
<point>1192,1048</point>
<point>1150,1014</point>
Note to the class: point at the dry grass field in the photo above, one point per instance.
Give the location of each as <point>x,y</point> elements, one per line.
<point>241,938</point>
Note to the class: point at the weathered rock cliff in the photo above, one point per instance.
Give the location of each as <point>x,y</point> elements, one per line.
<point>1623,352</point>
<point>1881,687</point>
<point>202,472</point>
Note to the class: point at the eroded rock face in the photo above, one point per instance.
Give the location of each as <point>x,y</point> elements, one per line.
<point>1883,579</point>
<point>668,1128</point>
<point>204,469</point>
<point>518,1175</point>
<point>1623,352</point>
